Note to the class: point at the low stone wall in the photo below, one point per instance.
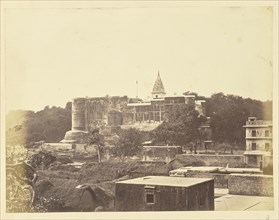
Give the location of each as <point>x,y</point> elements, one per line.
<point>220,180</point>
<point>215,160</point>
<point>250,184</point>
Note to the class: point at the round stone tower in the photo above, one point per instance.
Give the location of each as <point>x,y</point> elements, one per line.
<point>78,130</point>
<point>78,114</point>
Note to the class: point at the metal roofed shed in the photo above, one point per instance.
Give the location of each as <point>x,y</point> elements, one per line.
<point>163,193</point>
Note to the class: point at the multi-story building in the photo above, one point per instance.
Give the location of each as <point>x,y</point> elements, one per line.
<point>258,140</point>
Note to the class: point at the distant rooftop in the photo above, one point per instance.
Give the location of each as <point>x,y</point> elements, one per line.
<point>255,152</point>
<point>139,104</point>
<point>164,146</point>
<point>254,122</point>
<point>166,181</point>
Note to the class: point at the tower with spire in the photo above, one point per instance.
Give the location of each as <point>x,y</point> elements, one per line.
<point>158,88</point>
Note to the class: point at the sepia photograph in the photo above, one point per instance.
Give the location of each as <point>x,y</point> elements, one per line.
<point>139,110</point>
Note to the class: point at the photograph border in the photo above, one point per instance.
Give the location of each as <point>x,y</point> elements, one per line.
<point>142,215</point>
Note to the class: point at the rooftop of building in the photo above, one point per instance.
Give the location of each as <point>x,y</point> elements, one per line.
<point>212,169</point>
<point>139,104</point>
<point>162,147</point>
<point>254,122</point>
<point>256,152</point>
<point>230,202</point>
<point>166,181</point>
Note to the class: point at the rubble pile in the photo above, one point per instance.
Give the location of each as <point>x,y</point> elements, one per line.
<point>41,159</point>
<point>65,167</point>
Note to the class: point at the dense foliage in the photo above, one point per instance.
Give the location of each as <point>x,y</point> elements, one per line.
<point>128,143</point>
<point>27,127</point>
<point>95,137</point>
<point>181,129</point>
<point>229,113</point>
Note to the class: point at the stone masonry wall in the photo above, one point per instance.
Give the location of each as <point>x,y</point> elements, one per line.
<point>250,184</point>
<point>220,180</point>
<point>215,160</point>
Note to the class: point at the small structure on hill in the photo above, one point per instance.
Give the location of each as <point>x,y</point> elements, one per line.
<point>160,153</point>
<point>161,193</point>
<point>258,141</point>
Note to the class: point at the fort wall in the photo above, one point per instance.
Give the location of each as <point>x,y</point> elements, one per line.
<point>214,160</point>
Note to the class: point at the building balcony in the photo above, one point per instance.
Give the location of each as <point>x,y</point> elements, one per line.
<point>258,123</point>
<point>258,138</point>
<point>256,152</point>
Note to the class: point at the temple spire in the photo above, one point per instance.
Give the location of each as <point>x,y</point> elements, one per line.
<point>158,88</point>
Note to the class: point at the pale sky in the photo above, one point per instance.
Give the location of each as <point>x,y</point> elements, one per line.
<point>53,55</point>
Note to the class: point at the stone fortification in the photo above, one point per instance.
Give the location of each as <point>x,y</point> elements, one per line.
<point>116,111</point>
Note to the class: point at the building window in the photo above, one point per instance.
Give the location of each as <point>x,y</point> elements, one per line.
<point>254,146</point>
<point>150,198</point>
<point>149,194</point>
<point>266,133</point>
<point>253,133</point>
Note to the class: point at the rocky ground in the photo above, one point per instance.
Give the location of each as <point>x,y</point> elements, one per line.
<point>66,181</point>
<point>65,185</point>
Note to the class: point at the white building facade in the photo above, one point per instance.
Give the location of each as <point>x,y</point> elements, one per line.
<point>258,140</point>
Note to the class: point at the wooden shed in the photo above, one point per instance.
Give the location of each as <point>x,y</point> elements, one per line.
<point>163,193</point>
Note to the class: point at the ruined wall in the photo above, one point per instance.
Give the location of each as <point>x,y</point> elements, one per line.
<point>107,109</point>
<point>113,110</point>
<point>250,184</point>
<point>160,153</point>
<point>96,110</point>
<point>214,160</point>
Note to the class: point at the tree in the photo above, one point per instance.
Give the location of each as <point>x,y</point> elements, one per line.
<point>228,115</point>
<point>182,128</point>
<point>129,143</point>
<point>94,138</point>
<point>49,125</point>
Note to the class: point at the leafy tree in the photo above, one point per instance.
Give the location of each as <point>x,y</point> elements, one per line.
<point>128,143</point>
<point>228,115</point>
<point>182,128</point>
<point>49,125</point>
<point>95,138</point>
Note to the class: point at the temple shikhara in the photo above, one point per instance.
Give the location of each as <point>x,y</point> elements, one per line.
<point>126,112</point>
